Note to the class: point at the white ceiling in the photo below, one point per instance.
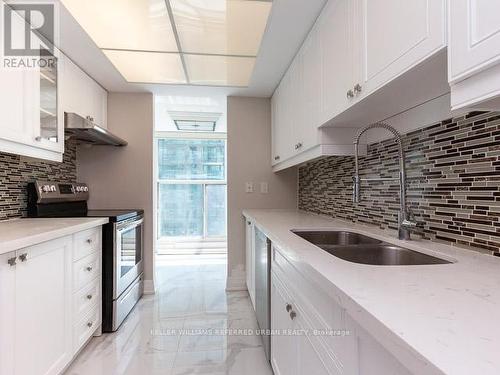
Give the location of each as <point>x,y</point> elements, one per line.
<point>288,25</point>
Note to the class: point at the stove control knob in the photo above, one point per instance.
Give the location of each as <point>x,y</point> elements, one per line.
<point>86,189</point>
<point>46,188</point>
<point>53,188</point>
<point>78,189</point>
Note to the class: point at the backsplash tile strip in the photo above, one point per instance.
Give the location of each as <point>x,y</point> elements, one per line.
<point>453,182</point>
<point>17,171</point>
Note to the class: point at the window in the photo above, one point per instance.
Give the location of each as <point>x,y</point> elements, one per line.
<point>191,188</point>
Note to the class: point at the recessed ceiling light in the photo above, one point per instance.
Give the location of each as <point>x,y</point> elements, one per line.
<point>148,67</point>
<point>219,70</point>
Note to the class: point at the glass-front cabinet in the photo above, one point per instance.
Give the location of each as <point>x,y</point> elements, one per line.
<point>30,103</point>
<point>49,126</point>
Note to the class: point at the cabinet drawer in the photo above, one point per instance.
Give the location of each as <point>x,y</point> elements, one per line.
<point>86,270</point>
<point>86,298</point>
<point>85,328</point>
<point>86,243</point>
<point>324,310</point>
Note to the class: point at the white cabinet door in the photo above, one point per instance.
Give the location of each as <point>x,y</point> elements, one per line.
<point>282,126</point>
<point>395,36</point>
<point>7,312</point>
<point>42,322</point>
<point>250,260</point>
<point>337,58</point>
<point>284,348</point>
<point>474,37</point>
<point>17,99</point>
<point>310,90</point>
<point>82,95</point>
<point>308,357</point>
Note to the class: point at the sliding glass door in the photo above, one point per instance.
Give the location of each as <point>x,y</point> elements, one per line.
<point>191,188</point>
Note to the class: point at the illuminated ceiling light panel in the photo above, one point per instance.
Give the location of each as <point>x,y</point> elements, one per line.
<point>148,67</point>
<point>225,27</point>
<point>212,42</point>
<point>219,70</point>
<point>125,24</point>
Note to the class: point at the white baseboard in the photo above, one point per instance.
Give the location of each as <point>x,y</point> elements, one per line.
<point>237,280</point>
<point>149,287</point>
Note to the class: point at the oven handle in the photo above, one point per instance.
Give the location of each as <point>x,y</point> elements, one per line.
<point>129,225</point>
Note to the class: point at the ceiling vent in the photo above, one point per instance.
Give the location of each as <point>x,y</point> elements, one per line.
<point>195,121</point>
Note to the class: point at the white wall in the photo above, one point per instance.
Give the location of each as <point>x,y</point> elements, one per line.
<point>249,160</point>
<point>123,177</point>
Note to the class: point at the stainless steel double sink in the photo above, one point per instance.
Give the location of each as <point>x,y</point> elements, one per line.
<point>357,248</point>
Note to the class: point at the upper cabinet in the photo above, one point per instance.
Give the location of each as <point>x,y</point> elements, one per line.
<point>82,95</point>
<point>474,54</point>
<point>336,51</point>
<point>353,69</point>
<point>394,36</point>
<point>30,102</point>
<point>474,37</point>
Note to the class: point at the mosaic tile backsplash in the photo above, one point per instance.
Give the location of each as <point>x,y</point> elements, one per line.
<point>17,171</point>
<point>453,185</point>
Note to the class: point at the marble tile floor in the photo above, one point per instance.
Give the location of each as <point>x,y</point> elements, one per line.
<point>178,330</point>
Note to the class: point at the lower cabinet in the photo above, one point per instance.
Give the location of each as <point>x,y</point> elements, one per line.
<point>41,310</point>
<point>313,334</point>
<point>295,350</point>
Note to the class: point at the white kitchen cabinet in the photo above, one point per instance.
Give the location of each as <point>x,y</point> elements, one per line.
<point>43,308</point>
<point>474,39</point>
<point>340,345</point>
<point>353,69</point>
<point>46,317</point>
<point>7,312</point>
<point>284,348</point>
<point>393,37</point>
<point>335,34</point>
<point>30,102</point>
<point>308,90</point>
<point>292,347</point>
<point>82,95</point>
<point>474,55</point>
<point>250,260</point>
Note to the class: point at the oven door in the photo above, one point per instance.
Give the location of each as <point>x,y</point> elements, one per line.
<point>128,256</point>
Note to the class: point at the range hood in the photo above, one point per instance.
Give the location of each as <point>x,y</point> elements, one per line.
<point>85,131</point>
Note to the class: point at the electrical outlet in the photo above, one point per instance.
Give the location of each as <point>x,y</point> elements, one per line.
<point>264,188</point>
<point>249,187</point>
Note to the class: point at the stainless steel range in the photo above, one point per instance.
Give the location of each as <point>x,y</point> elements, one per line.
<point>123,243</point>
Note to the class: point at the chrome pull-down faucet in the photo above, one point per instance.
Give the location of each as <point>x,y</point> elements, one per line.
<point>404,221</point>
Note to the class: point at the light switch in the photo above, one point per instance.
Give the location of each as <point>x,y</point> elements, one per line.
<point>264,187</point>
<point>249,187</point>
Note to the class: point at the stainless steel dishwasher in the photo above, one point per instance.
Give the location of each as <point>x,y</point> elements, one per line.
<point>263,286</point>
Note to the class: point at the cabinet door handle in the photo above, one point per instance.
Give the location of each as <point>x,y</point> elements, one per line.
<point>89,241</point>
<point>299,145</point>
<point>277,157</point>
<point>350,94</point>
<point>89,296</point>
<point>23,257</point>
<point>90,324</point>
<point>89,268</point>
<point>288,307</point>
<point>38,139</point>
<point>293,315</point>
<point>358,88</point>
<point>12,261</point>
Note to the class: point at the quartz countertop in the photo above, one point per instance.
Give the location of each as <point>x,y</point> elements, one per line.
<point>439,318</point>
<point>20,233</point>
